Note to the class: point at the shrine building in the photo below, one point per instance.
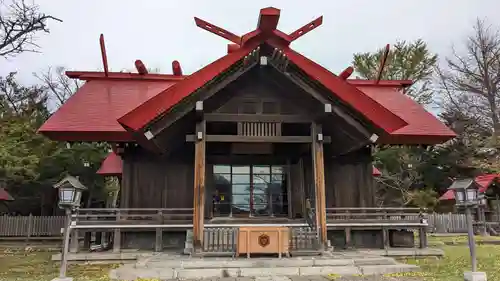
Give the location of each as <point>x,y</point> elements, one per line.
<point>262,138</point>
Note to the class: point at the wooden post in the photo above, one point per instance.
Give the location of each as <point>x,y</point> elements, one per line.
<point>199,185</point>
<point>74,243</point>
<point>159,234</point>
<point>289,187</point>
<point>319,180</point>
<point>117,241</point>
<point>86,240</point>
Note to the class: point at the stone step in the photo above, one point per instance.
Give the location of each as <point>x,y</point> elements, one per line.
<point>168,267</point>
<point>208,263</point>
<point>130,273</point>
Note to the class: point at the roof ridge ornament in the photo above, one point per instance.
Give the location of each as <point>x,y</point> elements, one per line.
<point>267,24</point>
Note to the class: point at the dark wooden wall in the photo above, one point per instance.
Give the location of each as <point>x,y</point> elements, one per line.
<point>349,180</point>
<point>152,181</point>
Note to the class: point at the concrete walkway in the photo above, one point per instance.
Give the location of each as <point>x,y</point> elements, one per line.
<point>309,278</point>
<point>173,266</point>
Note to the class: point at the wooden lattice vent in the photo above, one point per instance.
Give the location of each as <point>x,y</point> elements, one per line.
<point>259,129</point>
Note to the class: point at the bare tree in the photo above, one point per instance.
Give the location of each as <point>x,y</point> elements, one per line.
<point>60,86</point>
<point>19,100</point>
<point>470,81</point>
<point>19,23</point>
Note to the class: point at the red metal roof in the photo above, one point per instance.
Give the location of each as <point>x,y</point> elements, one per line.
<point>484,182</point>
<point>140,116</point>
<point>111,166</point>
<point>5,196</point>
<point>376,172</point>
<point>91,113</point>
<point>364,104</point>
<point>105,107</point>
<point>422,128</point>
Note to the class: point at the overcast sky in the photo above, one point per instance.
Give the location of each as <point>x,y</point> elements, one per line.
<point>159,31</point>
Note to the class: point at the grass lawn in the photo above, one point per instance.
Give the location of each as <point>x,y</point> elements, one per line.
<point>35,266</point>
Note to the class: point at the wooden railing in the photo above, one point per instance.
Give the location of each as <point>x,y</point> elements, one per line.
<point>133,216</point>
<point>31,226</point>
<point>383,219</point>
<point>379,215</point>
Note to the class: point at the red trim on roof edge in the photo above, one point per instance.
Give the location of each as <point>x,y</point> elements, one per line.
<point>92,75</point>
<point>149,110</point>
<point>390,83</point>
<point>372,110</point>
<point>88,136</point>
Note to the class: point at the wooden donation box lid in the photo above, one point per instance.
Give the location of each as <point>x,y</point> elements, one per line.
<point>263,240</point>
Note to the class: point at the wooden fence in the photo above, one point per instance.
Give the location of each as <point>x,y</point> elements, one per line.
<point>50,226</point>
<point>31,226</point>
<point>447,223</point>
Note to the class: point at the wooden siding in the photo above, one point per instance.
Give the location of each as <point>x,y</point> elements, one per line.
<point>349,180</point>
<point>155,182</point>
<point>152,181</point>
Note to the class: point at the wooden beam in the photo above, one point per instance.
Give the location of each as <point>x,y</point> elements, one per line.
<point>177,114</point>
<point>221,117</point>
<point>328,109</point>
<point>256,139</point>
<point>334,108</point>
<point>319,181</point>
<point>383,62</point>
<point>308,89</point>
<point>199,186</point>
<point>104,55</point>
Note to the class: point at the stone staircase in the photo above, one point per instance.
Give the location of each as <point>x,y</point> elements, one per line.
<point>170,266</point>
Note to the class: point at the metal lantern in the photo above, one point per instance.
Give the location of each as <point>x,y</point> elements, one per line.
<point>483,201</point>
<point>70,192</point>
<point>466,192</point>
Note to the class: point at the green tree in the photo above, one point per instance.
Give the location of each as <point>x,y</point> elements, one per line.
<point>405,61</point>
<point>30,163</point>
<point>404,169</point>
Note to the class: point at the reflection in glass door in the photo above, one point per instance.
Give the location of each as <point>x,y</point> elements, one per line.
<point>250,190</point>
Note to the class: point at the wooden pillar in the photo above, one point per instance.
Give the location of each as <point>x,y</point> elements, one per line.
<point>117,235</point>
<point>319,180</point>
<point>199,185</point>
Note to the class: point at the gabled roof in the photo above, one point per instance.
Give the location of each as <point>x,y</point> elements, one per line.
<point>91,113</point>
<point>111,166</point>
<point>422,128</point>
<point>114,107</point>
<point>141,115</point>
<point>341,89</point>
<point>484,181</point>
<point>266,32</point>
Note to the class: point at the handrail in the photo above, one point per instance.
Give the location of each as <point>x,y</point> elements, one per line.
<point>132,209</point>
<point>124,226</point>
<point>376,208</point>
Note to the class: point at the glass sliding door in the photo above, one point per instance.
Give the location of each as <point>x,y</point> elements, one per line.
<point>250,190</point>
<point>241,190</point>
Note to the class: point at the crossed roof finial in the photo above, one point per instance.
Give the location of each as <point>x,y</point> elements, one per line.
<point>267,24</point>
